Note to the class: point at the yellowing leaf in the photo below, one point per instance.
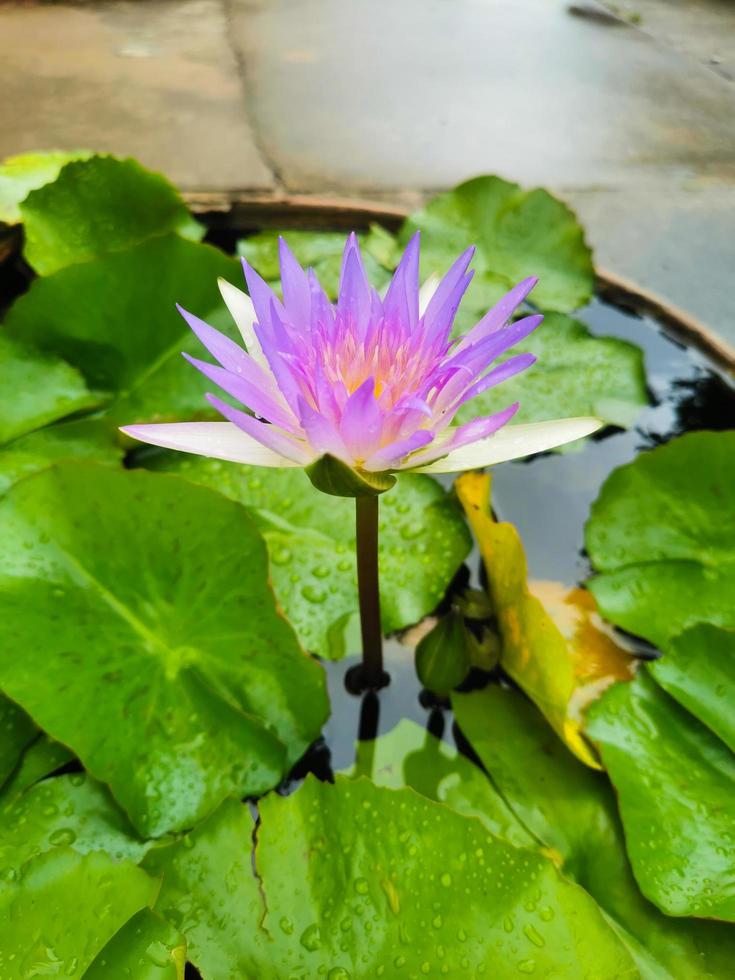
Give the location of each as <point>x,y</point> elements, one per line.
<point>554,643</point>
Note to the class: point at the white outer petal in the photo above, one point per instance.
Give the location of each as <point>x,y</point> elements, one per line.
<point>220,440</point>
<point>242,312</point>
<point>427,290</point>
<point>512,442</point>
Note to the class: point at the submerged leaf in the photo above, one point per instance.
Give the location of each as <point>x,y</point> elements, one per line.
<point>554,644</point>
<point>160,658</point>
<point>675,781</point>
<point>661,535</point>
<point>99,205</point>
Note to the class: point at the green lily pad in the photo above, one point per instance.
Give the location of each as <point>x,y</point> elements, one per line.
<point>65,811</point>
<point>576,374</point>
<point>322,251</point>
<point>410,756</point>
<point>16,732</point>
<point>423,541</point>
<point>698,670</point>
<point>160,658</point>
<point>360,880</point>
<point>210,893</point>
<point>572,811</point>
<point>81,439</point>
<point>63,909</point>
<point>553,643</point>
<point>24,173</point>
<point>99,205</point>
<point>146,948</point>
<point>662,537</point>
<point>675,782</point>
<point>517,233</point>
<point>36,388</point>
<point>115,319</point>
<point>41,758</point>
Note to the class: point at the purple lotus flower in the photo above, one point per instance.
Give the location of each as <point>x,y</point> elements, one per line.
<point>369,385</point>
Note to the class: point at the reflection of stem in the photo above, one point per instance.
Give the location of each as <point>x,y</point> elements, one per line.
<point>366,514</point>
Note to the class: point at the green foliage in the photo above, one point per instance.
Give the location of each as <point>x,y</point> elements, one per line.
<point>24,173</point>
<point>572,811</point>
<point>96,206</point>
<point>146,948</point>
<point>94,892</point>
<point>175,694</point>
<point>517,233</point>
<point>16,732</point>
<point>443,655</point>
<point>355,877</point>
<point>675,781</point>
<point>662,536</point>
<point>36,389</point>
<point>422,541</point>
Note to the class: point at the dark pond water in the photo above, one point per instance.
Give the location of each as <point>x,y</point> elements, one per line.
<point>548,499</point>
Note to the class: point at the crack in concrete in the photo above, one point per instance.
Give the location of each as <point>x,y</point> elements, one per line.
<point>242,74</point>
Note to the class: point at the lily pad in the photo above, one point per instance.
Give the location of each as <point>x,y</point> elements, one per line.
<point>36,388</point>
<point>65,811</point>
<point>572,811</point>
<point>24,173</point>
<point>37,909</point>
<point>210,893</point>
<point>554,644</point>
<point>675,781</point>
<point>146,948</point>
<point>410,756</point>
<point>576,374</point>
<point>423,541</point>
<point>115,319</point>
<point>81,439</point>
<point>662,536</point>
<point>517,233</point>
<point>160,658</point>
<point>698,670</point>
<point>322,251</point>
<point>355,878</point>
<point>41,758</point>
<point>16,732</point>
<point>99,205</point>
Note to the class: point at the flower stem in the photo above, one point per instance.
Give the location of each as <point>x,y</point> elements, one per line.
<point>366,514</point>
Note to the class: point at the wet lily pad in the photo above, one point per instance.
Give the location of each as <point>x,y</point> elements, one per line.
<point>115,319</point>
<point>146,948</point>
<point>554,644</point>
<point>572,811</point>
<point>99,205</point>
<point>517,233</point>
<point>37,388</point>
<point>698,670</point>
<point>41,757</point>
<point>423,541</point>
<point>675,781</point>
<point>160,658</point>
<point>410,756</point>
<point>576,374</point>
<point>95,892</point>
<point>356,878</point>
<point>16,732</point>
<point>662,538</point>
<point>65,811</point>
<point>24,173</point>
<point>81,439</point>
